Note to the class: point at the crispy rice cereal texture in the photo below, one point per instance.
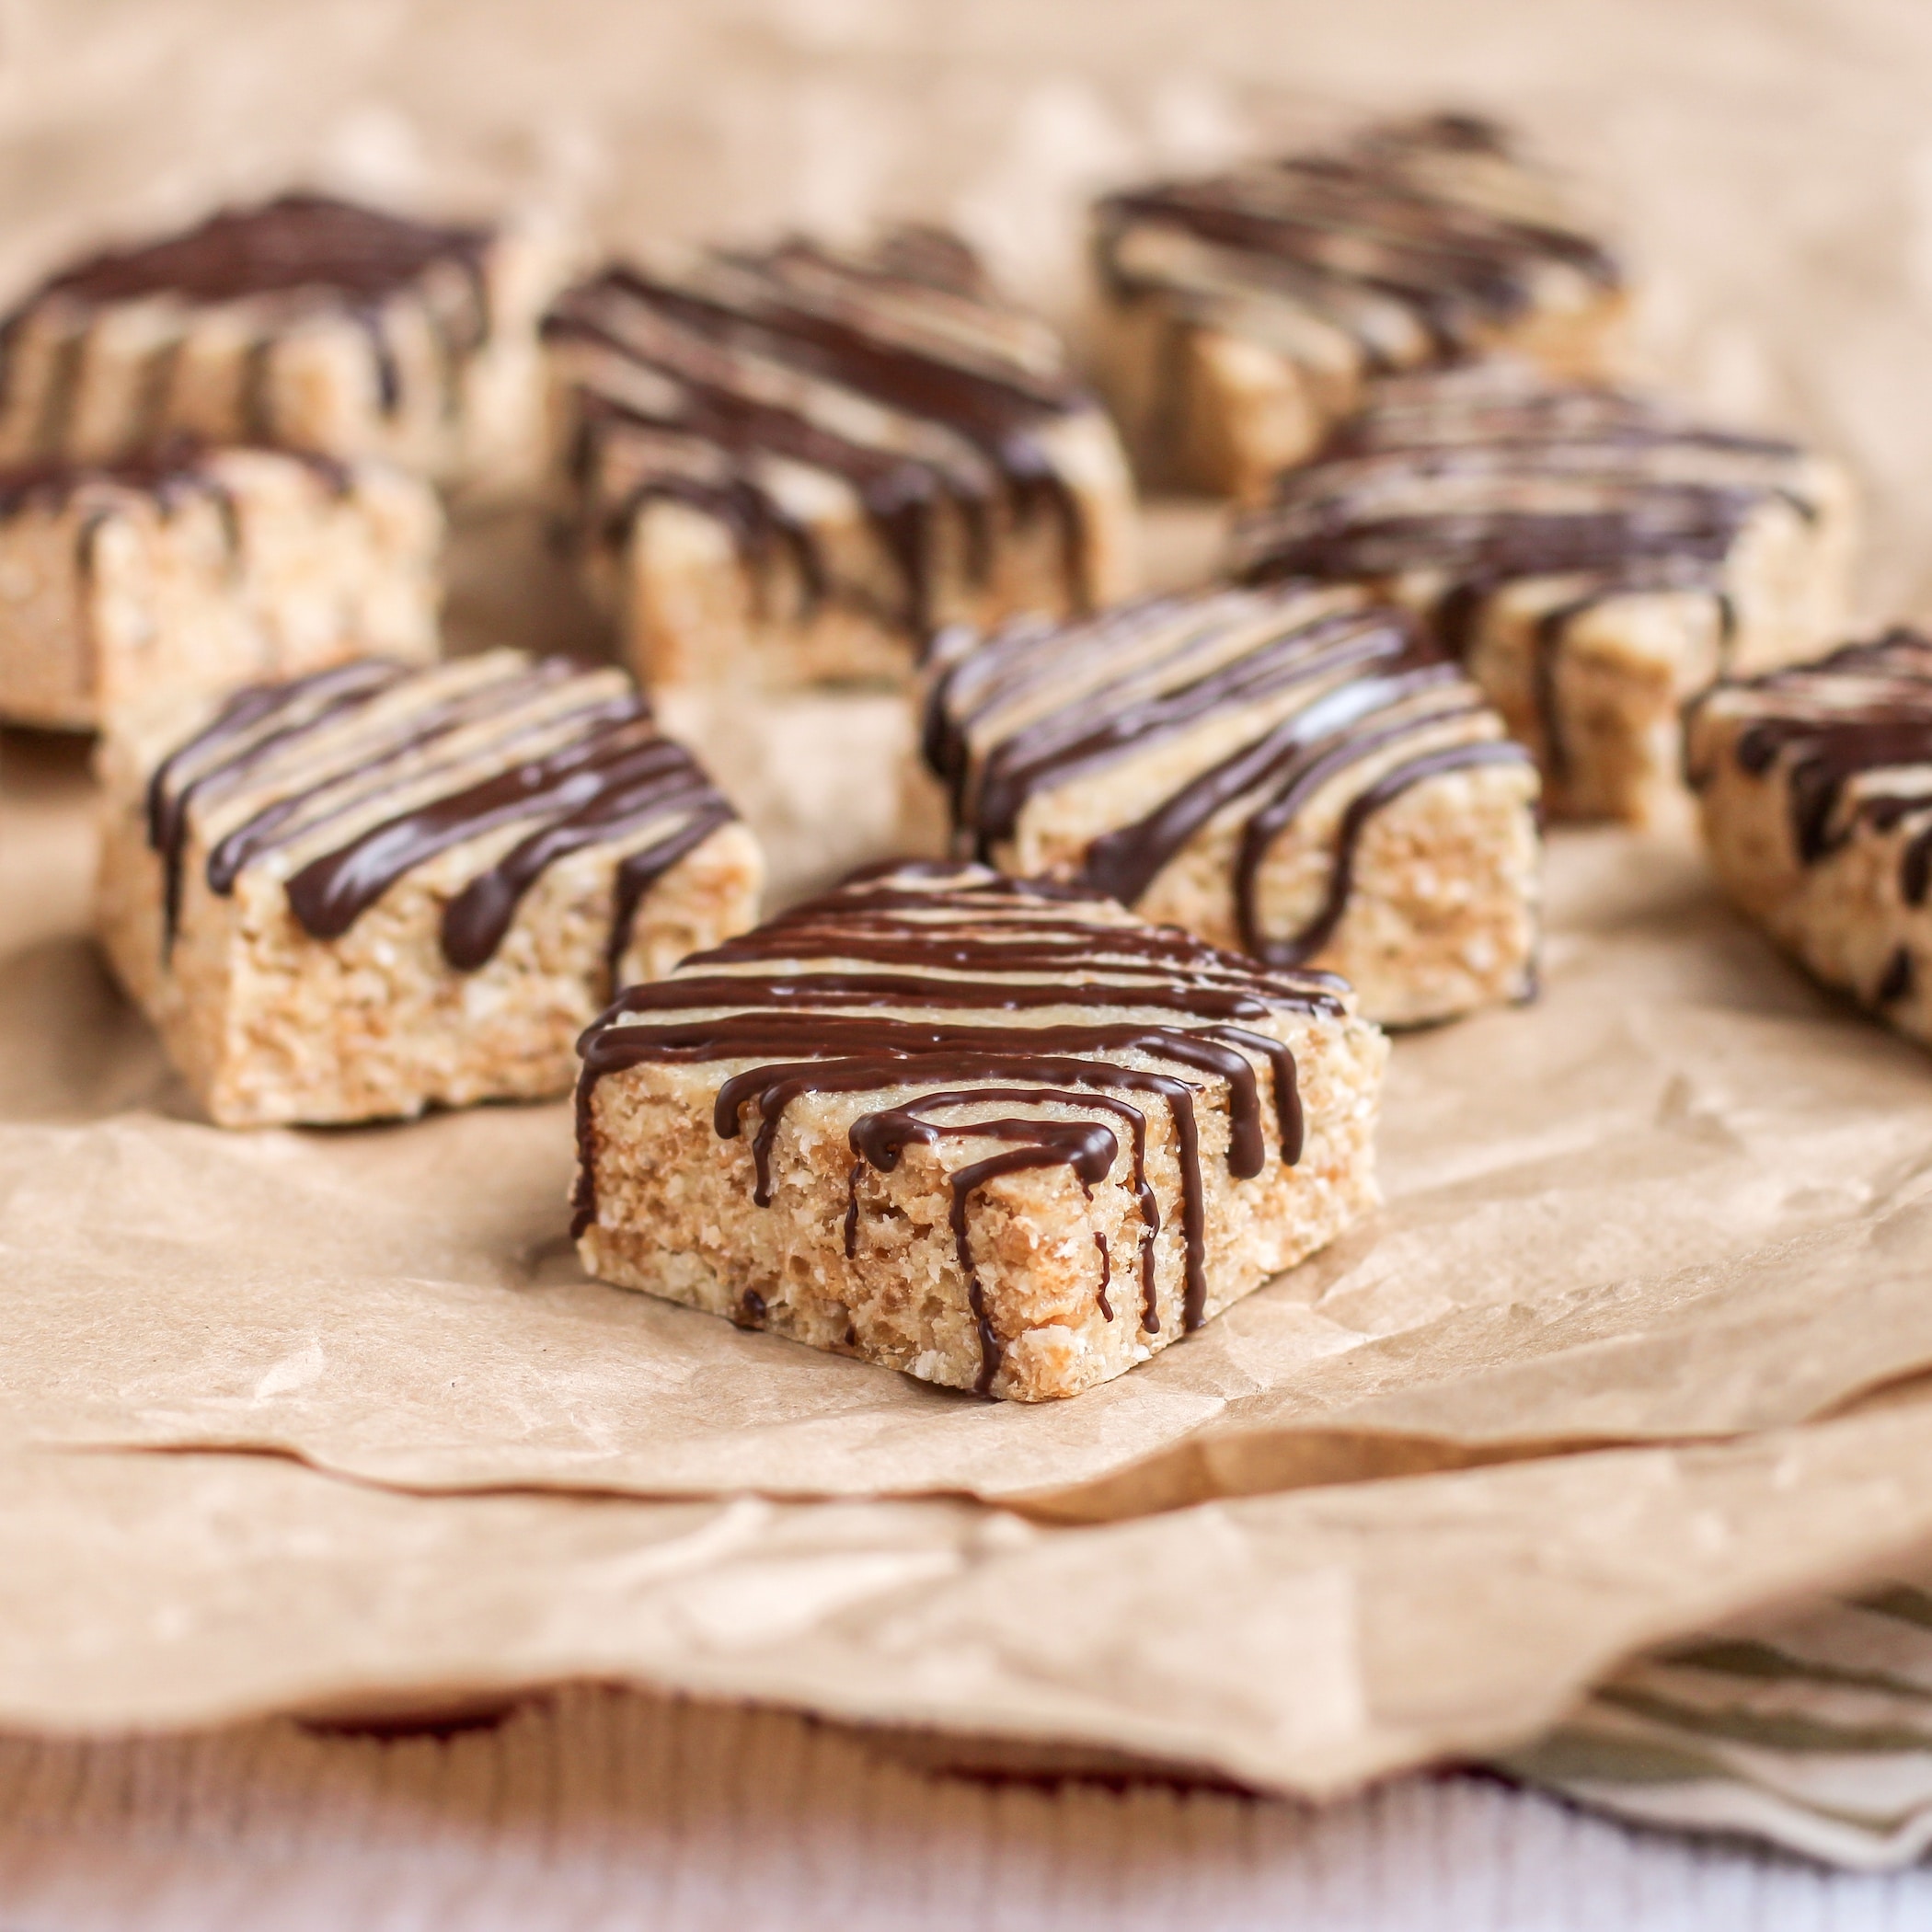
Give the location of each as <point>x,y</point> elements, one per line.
<point>1242,315</point>
<point>374,889</point>
<point>1594,556</point>
<point>789,468</point>
<point>1815,788</point>
<point>307,322</point>
<point>200,570</point>
<point>992,1135</point>
<point>1295,773</point>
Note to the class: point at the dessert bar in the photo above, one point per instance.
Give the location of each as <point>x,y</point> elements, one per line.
<point>306,321</point>
<point>999,1134</point>
<point>788,468</point>
<point>374,888</point>
<point>1593,556</point>
<point>194,569</point>
<point>1815,786</point>
<point>1291,771</point>
<point>1242,314</point>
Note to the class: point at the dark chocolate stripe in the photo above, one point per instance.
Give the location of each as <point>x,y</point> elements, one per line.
<point>1550,481</point>
<point>707,809</point>
<point>970,676</point>
<point>307,248</point>
<point>331,893</point>
<point>1084,736</point>
<point>1899,978</point>
<point>382,762</point>
<point>1865,708</point>
<point>298,241</point>
<point>624,790</point>
<point>602,775</point>
<point>1373,681</point>
<point>898,490</point>
<point>229,747</point>
<point>1164,951</point>
<point>1378,218</point>
<point>812,1026</point>
<point>757,307</point>
<point>1087,1147</point>
<point>1490,548</point>
<point>868,1043</point>
<point>1053,1143</point>
<point>1389,786</point>
<point>811,986</point>
<point>172,473</point>
<point>1127,861</point>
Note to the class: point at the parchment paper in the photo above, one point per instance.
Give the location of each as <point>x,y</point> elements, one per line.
<point>1679,1195</point>
<point>1297,1643</point>
<point>1684,1195</point>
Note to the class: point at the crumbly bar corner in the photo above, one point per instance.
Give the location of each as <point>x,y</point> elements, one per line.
<point>195,568</point>
<point>1242,315</point>
<point>378,889</point>
<point>1593,555</point>
<point>787,467</point>
<point>999,1134</point>
<point>1814,785</point>
<point>1292,771</point>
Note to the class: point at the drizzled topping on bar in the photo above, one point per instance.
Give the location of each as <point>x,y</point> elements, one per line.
<point>1043,1021</point>
<point>1460,483</point>
<point>172,473</point>
<point>309,250</point>
<point>344,782</point>
<point>896,372</point>
<point>1327,685</point>
<point>1851,736</point>
<point>1415,240</point>
<point>297,241</point>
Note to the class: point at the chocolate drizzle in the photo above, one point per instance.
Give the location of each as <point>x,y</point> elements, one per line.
<point>1900,976</point>
<point>464,752</point>
<point>297,241</point>
<point>242,735</point>
<point>1256,835</point>
<point>1833,730</point>
<point>1418,240</point>
<point>297,252</point>
<point>170,475</point>
<point>810,1004</point>
<point>1396,217</point>
<point>1086,1147</point>
<point>1332,685</point>
<point>897,372</point>
<point>1460,484</point>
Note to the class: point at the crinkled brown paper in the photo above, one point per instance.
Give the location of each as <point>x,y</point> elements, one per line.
<point>1684,1199</point>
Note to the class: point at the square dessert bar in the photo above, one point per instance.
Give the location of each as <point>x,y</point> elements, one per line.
<point>375,888</point>
<point>307,322</point>
<point>1242,314</point>
<point>191,569</point>
<point>1294,771</point>
<point>791,466</point>
<point>1002,1135</point>
<point>1592,556</point>
<point>1815,786</point>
